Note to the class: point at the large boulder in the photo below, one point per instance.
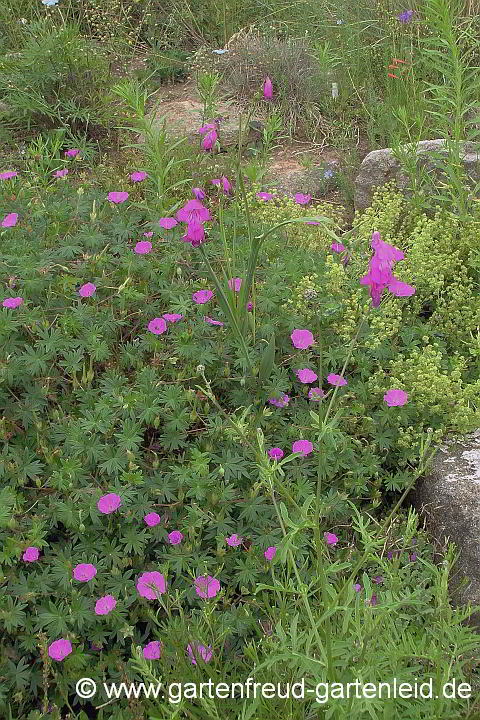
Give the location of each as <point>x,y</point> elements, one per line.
<point>380,167</point>
<point>449,500</point>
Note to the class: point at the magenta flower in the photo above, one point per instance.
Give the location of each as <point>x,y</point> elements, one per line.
<point>234,540</point>
<point>61,173</point>
<point>87,290</point>
<point>117,197</point>
<point>149,579</point>
<point>378,579</point>
<point>330,538</point>
<point>152,519</point>
<point>202,296</point>
<point>316,394</point>
<point>306,375</point>
<point>105,605</point>
<point>210,321</point>
<point>172,317</point>
<point>209,140</point>
<point>380,274</point>
<point>12,303</point>
<point>175,537</point>
<point>336,379</point>
<point>270,552</point>
<point>72,153</point>
<point>395,397</point>
<point>357,587</point>
<point>59,649</point>
<point>199,193</point>
<point>373,601</point>
<point>143,247</point>
<point>8,174</point>
<point>302,339</point>
<point>206,586</point>
<point>275,453</point>
<point>153,650</point>
<point>235,284</point>
<point>302,199</point>
<point>268,89</point>
<point>138,176</point>
<point>157,326</point>
<point>109,503</point>
<point>167,222</point>
<point>31,554</point>
<point>205,128</point>
<point>265,196</point>
<point>10,220</point>
<point>249,307</point>
<point>195,234</point>
<point>148,234</point>
<point>303,446</point>
<point>280,402</point>
<point>202,651</point>
<point>84,572</point>
<point>193,211</point>
<point>338,247</point>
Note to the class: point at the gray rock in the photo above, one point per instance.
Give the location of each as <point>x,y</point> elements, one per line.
<point>380,167</point>
<point>449,500</point>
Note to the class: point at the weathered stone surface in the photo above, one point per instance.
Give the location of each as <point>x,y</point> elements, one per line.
<point>449,500</point>
<point>380,167</point>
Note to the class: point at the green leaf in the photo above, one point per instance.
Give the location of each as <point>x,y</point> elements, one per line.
<point>266,365</point>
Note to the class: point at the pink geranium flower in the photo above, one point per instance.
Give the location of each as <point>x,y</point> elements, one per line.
<point>152,519</point>
<point>306,375</point>
<point>8,175</point>
<point>275,453</point>
<point>175,537</point>
<point>31,554</point>
<point>72,153</point>
<point>153,650</point>
<point>302,199</point>
<point>61,173</point>
<point>280,402</point>
<point>109,503</point>
<point>202,296</point>
<point>149,579</point>
<point>234,540</point>
<point>206,586</point>
<point>268,89</point>
<point>303,446</point>
<point>316,394</point>
<point>336,379</point>
<point>302,339</point>
<point>235,284</point>
<point>199,193</point>
<point>143,247</point>
<point>59,649</point>
<point>265,196</point>
<point>395,397</point>
<point>12,303</point>
<point>211,321</point>
<point>167,222</point>
<point>10,220</point>
<point>270,552</point>
<point>117,197</point>
<point>105,605</point>
<point>84,572</point>
<point>157,326</point>
<point>202,651</point>
<point>330,538</point>
<point>172,317</point>
<point>138,176</point>
<point>338,247</point>
<point>87,290</point>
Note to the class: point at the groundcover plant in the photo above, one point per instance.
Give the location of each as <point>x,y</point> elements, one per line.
<point>208,440</point>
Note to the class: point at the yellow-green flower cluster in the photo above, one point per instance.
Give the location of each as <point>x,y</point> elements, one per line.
<point>280,208</point>
<point>303,300</point>
<point>430,386</point>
